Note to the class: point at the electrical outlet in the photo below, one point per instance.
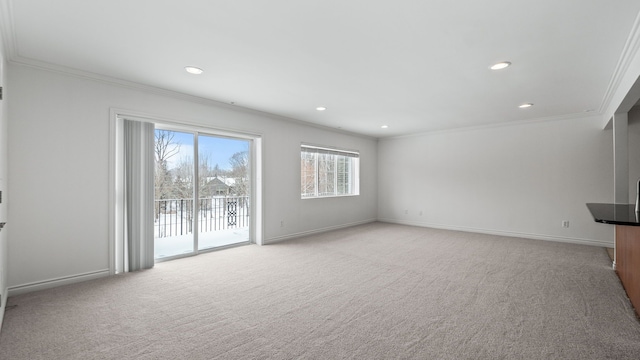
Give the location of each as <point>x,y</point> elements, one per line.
<point>420,212</point>
<point>281,223</point>
<point>565,223</point>
<point>406,212</point>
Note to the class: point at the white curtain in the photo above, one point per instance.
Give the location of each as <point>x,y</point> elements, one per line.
<point>138,195</point>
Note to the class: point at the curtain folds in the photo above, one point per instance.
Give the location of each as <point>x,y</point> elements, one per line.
<point>138,195</point>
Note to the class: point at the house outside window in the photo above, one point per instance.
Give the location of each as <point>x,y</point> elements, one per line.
<point>327,172</point>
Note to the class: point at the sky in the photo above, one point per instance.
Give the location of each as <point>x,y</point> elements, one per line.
<point>218,149</point>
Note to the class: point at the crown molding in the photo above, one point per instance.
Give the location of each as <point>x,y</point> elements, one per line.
<point>7,30</point>
<point>555,118</point>
<point>629,51</point>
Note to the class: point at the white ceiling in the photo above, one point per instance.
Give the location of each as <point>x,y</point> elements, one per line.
<point>415,65</point>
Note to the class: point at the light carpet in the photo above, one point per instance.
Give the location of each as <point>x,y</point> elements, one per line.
<point>376,291</point>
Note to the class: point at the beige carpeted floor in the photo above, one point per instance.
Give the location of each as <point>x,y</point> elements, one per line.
<point>376,291</point>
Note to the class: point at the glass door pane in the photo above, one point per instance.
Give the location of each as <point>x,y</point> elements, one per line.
<point>224,189</point>
<point>174,189</point>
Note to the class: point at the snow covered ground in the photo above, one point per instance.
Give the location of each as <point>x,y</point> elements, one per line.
<point>183,244</point>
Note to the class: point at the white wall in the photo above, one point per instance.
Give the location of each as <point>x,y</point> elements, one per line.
<point>59,168</point>
<point>3,186</point>
<point>521,180</point>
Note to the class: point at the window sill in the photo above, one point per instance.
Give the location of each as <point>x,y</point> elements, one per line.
<point>328,197</point>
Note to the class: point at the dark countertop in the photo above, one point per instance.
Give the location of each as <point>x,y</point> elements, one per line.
<point>617,214</point>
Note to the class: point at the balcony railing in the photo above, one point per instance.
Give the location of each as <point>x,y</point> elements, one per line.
<point>174,217</point>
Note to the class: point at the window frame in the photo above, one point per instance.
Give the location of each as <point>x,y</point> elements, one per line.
<point>337,155</point>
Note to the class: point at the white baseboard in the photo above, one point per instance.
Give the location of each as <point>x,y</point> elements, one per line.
<point>563,239</point>
<point>50,283</point>
<point>316,231</point>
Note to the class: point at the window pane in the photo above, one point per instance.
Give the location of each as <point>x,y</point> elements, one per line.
<point>327,172</point>
<point>174,207</point>
<point>308,174</point>
<point>224,191</point>
<point>343,180</point>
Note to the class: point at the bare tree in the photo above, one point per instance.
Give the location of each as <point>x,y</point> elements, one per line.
<point>205,175</point>
<point>183,179</point>
<point>165,148</point>
<point>240,170</point>
<point>182,190</point>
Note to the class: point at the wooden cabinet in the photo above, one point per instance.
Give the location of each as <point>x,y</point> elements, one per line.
<point>628,261</point>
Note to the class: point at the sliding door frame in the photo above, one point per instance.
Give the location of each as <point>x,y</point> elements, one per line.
<point>256,223</point>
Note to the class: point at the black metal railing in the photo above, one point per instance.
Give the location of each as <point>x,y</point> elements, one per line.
<point>174,217</point>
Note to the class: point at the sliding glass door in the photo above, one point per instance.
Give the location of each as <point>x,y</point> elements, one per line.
<point>223,189</point>
<point>202,192</point>
<point>174,191</point>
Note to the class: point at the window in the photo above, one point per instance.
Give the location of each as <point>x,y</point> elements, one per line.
<point>328,172</point>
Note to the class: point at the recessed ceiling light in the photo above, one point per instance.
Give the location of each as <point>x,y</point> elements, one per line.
<point>523,106</point>
<point>500,65</point>
<point>385,126</point>
<point>194,70</point>
<point>321,108</point>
